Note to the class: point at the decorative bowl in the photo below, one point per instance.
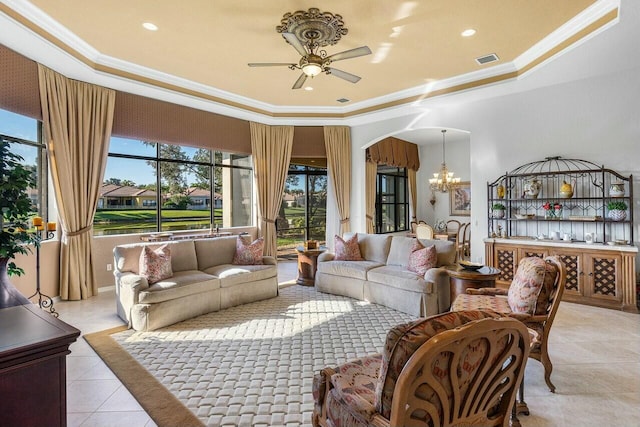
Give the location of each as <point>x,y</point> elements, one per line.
<point>468,265</point>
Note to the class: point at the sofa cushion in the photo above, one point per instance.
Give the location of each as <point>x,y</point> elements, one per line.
<point>155,265</point>
<point>347,250</point>
<point>446,250</point>
<point>248,253</point>
<point>530,289</point>
<point>399,251</point>
<point>422,259</point>
<point>399,277</point>
<point>181,284</point>
<point>373,247</point>
<point>353,269</point>
<point>183,255</point>
<point>231,275</point>
<point>216,251</point>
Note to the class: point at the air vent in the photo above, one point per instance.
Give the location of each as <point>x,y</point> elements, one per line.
<point>343,100</point>
<point>487,58</point>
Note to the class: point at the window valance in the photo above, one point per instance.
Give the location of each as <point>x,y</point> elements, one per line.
<point>394,152</point>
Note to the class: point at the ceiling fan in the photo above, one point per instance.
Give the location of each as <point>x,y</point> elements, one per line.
<point>307,32</point>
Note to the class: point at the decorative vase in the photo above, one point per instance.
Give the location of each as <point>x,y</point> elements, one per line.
<point>616,189</point>
<point>500,191</point>
<point>566,190</point>
<point>617,215</point>
<point>9,295</point>
<point>549,214</point>
<point>498,213</point>
<point>532,188</point>
<point>557,213</point>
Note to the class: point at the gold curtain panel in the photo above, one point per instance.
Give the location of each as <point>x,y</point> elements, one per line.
<point>394,152</point>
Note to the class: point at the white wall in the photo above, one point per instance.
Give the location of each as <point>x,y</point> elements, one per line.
<point>595,118</point>
<point>458,161</point>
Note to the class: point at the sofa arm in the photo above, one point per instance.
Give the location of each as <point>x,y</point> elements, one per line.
<point>269,260</point>
<point>128,287</point>
<point>441,286</point>
<point>325,256</point>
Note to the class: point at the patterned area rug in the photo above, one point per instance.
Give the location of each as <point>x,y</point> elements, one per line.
<point>253,365</point>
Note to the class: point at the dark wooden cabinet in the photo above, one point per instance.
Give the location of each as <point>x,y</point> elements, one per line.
<point>33,350</point>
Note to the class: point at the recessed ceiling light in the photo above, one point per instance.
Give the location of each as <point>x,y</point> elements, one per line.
<point>309,88</point>
<point>468,32</point>
<point>149,26</point>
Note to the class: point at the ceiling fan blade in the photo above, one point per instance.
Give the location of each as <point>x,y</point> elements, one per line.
<point>293,41</point>
<point>270,64</point>
<point>343,75</point>
<point>351,53</point>
<point>298,84</point>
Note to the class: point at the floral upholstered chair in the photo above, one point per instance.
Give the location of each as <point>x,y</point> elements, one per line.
<point>460,368</point>
<point>533,298</point>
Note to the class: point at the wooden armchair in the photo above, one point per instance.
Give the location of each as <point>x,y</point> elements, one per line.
<point>463,241</point>
<point>451,369</point>
<point>533,298</point>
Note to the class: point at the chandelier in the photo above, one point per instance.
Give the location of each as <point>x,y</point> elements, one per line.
<point>443,180</point>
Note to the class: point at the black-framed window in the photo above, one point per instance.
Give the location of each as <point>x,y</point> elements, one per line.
<point>151,187</point>
<point>303,212</point>
<point>392,199</point>
<point>24,136</point>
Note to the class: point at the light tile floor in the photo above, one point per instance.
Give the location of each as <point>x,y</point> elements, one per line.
<point>596,356</point>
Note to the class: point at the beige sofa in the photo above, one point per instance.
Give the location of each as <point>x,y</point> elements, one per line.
<point>204,280</point>
<point>383,277</point>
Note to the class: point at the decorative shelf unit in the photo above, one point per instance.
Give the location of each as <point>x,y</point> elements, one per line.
<point>582,214</point>
<point>601,271</point>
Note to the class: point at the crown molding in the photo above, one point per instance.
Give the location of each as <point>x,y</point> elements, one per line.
<point>39,37</point>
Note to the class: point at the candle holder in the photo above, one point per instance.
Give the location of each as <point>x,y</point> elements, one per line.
<point>44,301</point>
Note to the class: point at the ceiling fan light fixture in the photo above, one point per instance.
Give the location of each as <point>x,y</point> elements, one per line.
<point>311,69</point>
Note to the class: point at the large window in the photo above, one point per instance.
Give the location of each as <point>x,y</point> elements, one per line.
<point>302,214</point>
<point>392,200</point>
<point>24,136</point>
<point>152,187</point>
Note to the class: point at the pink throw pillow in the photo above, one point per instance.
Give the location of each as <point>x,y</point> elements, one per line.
<point>347,250</point>
<point>155,265</point>
<point>248,253</point>
<point>422,259</point>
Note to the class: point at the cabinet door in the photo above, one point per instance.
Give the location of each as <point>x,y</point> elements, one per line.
<point>574,263</point>
<point>506,260</point>
<point>603,276</point>
<point>532,251</point>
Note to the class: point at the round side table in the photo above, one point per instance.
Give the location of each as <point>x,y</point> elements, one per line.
<point>308,264</point>
<point>462,279</point>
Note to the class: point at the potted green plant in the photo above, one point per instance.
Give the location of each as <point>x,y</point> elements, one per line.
<point>498,210</point>
<point>15,208</point>
<point>617,210</point>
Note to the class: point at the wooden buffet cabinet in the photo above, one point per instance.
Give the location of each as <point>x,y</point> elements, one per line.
<point>597,274</point>
<point>533,206</point>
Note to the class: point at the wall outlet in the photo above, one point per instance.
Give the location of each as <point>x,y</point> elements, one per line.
<point>109,267</point>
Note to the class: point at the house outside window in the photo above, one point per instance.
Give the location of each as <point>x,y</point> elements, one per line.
<point>151,187</point>
<point>392,199</point>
